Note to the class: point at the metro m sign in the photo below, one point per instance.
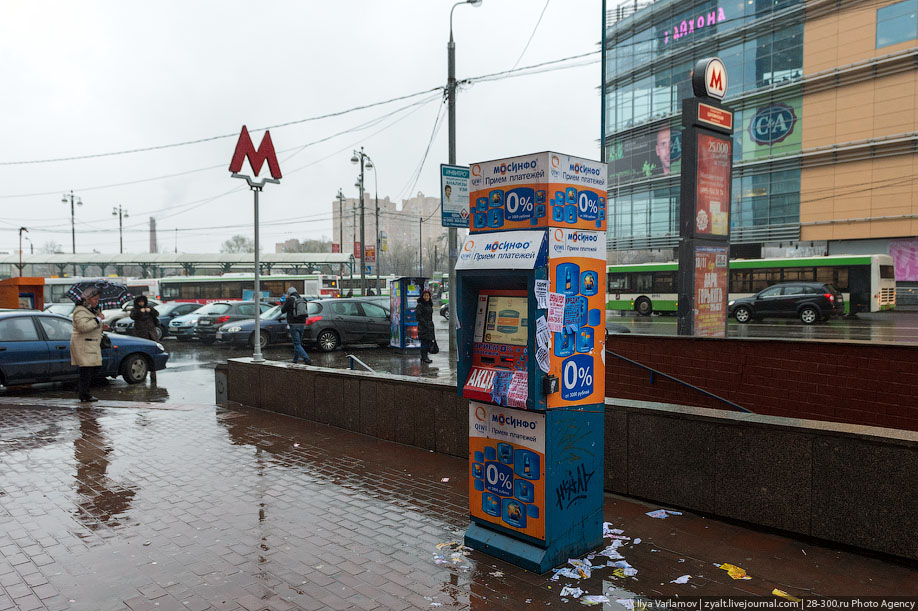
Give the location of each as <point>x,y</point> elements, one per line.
<point>709,78</point>
<point>265,152</point>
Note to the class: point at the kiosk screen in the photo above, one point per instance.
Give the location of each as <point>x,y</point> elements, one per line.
<point>506,320</point>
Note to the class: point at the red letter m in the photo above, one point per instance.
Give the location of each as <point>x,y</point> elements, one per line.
<point>717,80</point>
<point>265,152</point>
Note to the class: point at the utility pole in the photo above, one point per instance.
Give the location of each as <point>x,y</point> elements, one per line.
<point>74,201</point>
<point>120,212</point>
<point>453,234</point>
<point>421,246</point>
<point>340,197</point>
<point>21,230</point>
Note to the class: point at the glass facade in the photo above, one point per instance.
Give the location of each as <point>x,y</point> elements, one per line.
<point>649,58</point>
<point>897,23</point>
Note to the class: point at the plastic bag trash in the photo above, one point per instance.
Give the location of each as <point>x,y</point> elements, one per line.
<point>734,571</point>
<point>784,594</point>
<point>569,591</point>
<point>663,513</point>
<point>568,572</point>
<point>594,599</point>
<point>683,579</point>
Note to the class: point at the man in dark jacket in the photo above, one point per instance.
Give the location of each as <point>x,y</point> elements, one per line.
<point>424,314</point>
<point>295,324</point>
<point>146,321</point>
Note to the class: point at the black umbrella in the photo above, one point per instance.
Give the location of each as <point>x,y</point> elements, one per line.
<point>111,294</point>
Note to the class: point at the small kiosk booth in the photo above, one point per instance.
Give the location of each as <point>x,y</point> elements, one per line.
<point>22,292</point>
<point>531,307</point>
<point>403,325</point>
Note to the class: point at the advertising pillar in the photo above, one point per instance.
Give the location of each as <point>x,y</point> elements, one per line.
<point>530,301</point>
<point>704,228</point>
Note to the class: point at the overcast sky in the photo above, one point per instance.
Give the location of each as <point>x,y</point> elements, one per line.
<point>89,78</point>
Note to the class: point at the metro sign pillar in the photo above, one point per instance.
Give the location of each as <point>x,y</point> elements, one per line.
<point>245,149</point>
<point>706,195</point>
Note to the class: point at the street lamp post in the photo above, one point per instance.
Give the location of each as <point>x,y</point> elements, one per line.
<point>453,234</point>
<point>74,201</point>
<point>364,160</point>
<point>121,213</point>
<point>340,197</point>
<point>21,230</point>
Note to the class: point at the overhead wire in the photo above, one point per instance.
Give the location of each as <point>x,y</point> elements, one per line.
<point>525,48</point>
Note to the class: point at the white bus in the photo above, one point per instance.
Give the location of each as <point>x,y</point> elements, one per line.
<point>868,282</point>
<point>204,289</point>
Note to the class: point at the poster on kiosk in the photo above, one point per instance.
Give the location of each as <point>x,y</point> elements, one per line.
<point>531,296</point>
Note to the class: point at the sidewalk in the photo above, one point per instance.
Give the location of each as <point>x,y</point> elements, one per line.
<point>161,506</point>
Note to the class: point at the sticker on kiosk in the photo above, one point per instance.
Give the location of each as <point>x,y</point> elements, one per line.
<point>507,468</point>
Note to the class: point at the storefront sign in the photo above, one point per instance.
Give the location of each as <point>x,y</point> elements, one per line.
<point>715,116</point>
<point>772,124</point>
<point>513,250</point>
<point>710,298</point>
<point>688,26</point>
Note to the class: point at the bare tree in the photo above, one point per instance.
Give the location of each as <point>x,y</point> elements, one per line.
<point>238,243</point>
<point>51,248</point>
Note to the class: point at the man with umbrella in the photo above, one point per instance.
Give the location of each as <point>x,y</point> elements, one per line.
<point>86,340</point>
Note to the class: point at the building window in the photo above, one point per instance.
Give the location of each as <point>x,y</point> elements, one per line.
<point>897,23</point>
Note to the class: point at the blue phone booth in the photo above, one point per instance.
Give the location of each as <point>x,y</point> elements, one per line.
<point>403,325</point>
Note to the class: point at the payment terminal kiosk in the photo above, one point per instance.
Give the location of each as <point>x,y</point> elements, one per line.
<point>530,301</point>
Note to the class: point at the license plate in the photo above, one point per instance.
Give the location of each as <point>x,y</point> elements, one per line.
<point>219,335</point>
<point>204,322</point>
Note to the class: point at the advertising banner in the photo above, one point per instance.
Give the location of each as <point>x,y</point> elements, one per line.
<point>538,191</point>
<point>710,299</point>
<point>507,468</point>
<point>712,200</point>
<point>356,250</point>
<point>514,250</point>
<point>577,265</point>
<point>769,130</point>
<point>336,247</point>
<point>639,156</point>
<point>370,254</point>
<point>454,191</point>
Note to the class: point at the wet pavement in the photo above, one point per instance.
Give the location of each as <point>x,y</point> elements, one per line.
<point>180,505</point>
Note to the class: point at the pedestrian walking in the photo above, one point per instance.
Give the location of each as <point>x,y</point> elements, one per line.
<point>86,341</point>
<point>296,309</point>
<point>146,322</point>
<point>424,314</point>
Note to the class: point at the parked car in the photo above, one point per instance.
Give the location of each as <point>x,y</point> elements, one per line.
<point>64,308</point>
<point>35,347</point>
<point>114,315</point>
<point>444,310</point>
<point>167,312</point>
<point>242,332</point>
<point>221,313</point>
<point>333,322</point>
<point>808,301</point>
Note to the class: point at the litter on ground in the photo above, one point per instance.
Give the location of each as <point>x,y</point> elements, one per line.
<point>733,571</point>
<point>662,514</point>
<point>569,591</point>
<point>683,579</point>
<point>593,599</point>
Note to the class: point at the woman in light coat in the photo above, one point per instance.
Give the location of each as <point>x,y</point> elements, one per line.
<point>86,341</point>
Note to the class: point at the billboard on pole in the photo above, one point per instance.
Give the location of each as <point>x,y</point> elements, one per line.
<point>454,194</point>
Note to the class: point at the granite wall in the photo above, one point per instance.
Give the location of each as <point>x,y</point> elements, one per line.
<point>839,482</point>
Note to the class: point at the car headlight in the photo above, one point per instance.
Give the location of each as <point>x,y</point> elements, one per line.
<point>730,303</point>
<point>232,330</point>
<point>161,347</point>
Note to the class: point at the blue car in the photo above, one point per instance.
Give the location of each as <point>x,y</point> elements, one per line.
<point>242,332</point>
<point>35,347</point>
<point>167,313</point>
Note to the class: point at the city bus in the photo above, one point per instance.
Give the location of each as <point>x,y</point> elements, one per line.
<point>204,289</point>
<point>867,282</point>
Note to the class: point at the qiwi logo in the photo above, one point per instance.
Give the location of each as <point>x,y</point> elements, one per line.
<point>469,245</point>
<point>476,170</point>
<point>555,162</point>
<point>515,166</point>
<point>577,168</point>
<point>497,245</point>
<point>480,414</point>
<point>559,234</point>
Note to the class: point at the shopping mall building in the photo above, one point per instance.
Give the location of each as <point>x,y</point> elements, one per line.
<point>826,129</point>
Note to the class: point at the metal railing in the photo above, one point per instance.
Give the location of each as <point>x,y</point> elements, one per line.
<point>362,364</point>
<point>655,372</point>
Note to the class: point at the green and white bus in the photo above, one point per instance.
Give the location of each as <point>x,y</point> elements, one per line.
<point>867,282</point>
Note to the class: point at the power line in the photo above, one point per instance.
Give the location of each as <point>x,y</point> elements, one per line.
<point>542,14</point>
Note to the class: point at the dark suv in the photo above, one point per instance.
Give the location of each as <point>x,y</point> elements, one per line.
<point>809,301</point>
<point>218,314</point>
